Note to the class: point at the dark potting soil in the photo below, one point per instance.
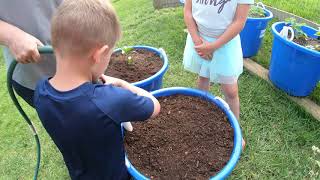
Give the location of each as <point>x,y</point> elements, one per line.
<point>190,139</point>
<point>144,64</point>
<point>315,43</point>
<point>307,42</point>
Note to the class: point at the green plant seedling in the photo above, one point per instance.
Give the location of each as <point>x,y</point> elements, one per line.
<point>130,60</point>
<point>256,12</point>
<point>297,27</point>
<point>318,34</point>
<point>126,49</point>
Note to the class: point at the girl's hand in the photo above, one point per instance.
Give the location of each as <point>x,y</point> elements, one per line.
<point>205,50</point>
<point>197,41</point>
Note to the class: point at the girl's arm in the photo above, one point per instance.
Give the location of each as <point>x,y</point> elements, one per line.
<point>236,26</point>
<point>233,30</point>
<point>190,23</point>
<point>121,83</point>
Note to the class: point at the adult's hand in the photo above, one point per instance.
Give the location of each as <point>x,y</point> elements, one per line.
<point>23,46</point>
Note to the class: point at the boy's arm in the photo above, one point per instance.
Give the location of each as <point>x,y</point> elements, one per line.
<point>233,30</point>
<point>190,23</point>
<point>22,45</point>
<point>142,92</point>
<point>133,89</point>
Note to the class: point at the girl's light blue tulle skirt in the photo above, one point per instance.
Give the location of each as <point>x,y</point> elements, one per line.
<point>226,64</point>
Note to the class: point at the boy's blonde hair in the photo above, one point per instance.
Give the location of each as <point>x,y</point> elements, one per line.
<point>78,26</point>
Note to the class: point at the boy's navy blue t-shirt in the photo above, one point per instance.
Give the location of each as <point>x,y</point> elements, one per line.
<point>84,123</point>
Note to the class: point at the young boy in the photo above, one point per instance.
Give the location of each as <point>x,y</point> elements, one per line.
<point>83,118</point>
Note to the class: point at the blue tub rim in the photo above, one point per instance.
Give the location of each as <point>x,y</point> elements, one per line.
<point>237,148</point>
<point>156,76</point>
<point>267,18</point>
<point>160,73</point>
<point>292,44</point>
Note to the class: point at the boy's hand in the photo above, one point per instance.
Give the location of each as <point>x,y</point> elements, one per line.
<point>111,80</point>
<point>127,126</point>
<point>24,47</point>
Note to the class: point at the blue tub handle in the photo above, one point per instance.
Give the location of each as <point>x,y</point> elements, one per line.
<point>260,4</point>
<point>223,102</point>
<point>284,33</point>
<point>163,53</point>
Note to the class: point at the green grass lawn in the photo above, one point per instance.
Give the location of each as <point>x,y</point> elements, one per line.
<point>309,9</point>
<point>279,133</point>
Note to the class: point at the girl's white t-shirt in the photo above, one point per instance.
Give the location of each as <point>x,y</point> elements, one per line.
<point>214,16</point>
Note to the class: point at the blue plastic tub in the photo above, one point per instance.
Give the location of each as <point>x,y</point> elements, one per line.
<point>293,68</point>
<point>253,33</point>
<point>232,119</point>
<point>154,82</point>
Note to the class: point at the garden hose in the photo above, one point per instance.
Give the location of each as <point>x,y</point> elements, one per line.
<point>42,50</point>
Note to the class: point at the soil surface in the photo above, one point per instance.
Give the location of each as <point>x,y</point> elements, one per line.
<point>307,42</point>
<point>144,64</point>
<point>190,139</point>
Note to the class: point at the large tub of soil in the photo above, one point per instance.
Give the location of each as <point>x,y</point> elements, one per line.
<point>195,136</point>
<point>145,69</point>
<point>294,68</point>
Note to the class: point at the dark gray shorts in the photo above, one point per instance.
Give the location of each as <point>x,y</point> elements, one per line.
<point>26,93</point>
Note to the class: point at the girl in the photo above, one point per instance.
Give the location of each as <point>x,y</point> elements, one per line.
<point>213,47</point>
